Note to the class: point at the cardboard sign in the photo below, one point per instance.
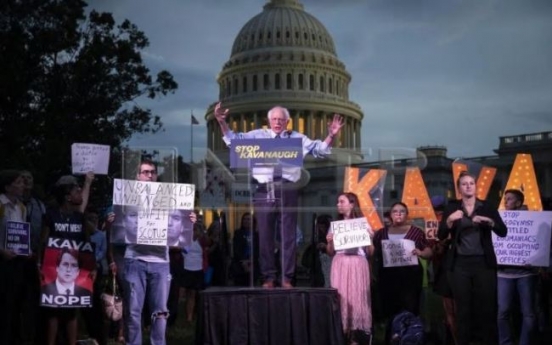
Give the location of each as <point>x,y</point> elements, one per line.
<point>153,195</point>
<point>18,238</point>
<point>398,253</point>
<point>351,233</point>
<point>527,241</point>
<point>66,270</point>
<point>90,157</point>
<point>152,213</point>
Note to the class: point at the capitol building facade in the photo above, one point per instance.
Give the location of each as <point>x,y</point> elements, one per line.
<point>285,56</point>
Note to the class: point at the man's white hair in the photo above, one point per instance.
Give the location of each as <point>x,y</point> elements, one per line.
<point>284,110</point>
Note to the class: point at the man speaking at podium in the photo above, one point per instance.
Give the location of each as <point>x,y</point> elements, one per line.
<point>265,206</point>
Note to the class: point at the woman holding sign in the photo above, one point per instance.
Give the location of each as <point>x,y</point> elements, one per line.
<point>397,249</point>
<point>471,260</point>
<point>350,275</point>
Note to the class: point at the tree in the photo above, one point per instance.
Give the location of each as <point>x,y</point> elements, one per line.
<point>70,77</point>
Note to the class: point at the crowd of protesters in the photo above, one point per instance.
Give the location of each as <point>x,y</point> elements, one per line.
<point>482,301</point>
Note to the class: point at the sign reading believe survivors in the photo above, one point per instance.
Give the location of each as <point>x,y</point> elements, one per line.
<point>528,239</point>
<point>351,233</point>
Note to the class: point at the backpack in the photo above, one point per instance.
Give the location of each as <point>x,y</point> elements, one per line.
<point>407,329</point>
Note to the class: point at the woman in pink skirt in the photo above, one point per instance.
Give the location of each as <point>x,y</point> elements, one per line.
<point>350,275</point>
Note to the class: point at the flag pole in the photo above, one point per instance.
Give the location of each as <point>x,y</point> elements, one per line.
<point>192,137</point>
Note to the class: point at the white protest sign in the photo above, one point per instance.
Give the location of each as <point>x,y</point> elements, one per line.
<point>154,195</point>
<point>90,157</point>
<point>351,233</point>
<point>527,241</point>
<point>398,253</point>
<point>150,210</point>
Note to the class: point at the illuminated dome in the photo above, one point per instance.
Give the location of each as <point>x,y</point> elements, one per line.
<point>283,24</point>
<point>285,56</point>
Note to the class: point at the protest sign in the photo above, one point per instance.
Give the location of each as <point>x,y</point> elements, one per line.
<point>66,268</point>
<point>527,241</point>
<point>18,237</point>
<point>351,233</point>
<point>153,195</point>
<point>152,213</point>
<point>90,157</point>
<point>398,253</point>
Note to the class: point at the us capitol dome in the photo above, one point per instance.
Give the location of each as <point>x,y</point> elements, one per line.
<point>285,56</point>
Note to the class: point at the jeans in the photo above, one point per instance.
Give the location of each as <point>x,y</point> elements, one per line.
<point>154,278</point>
<point>508,290</point>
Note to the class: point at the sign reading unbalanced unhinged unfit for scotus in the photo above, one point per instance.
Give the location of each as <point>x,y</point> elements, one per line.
<point>150,211</point>
<point>528,239</point>
<point>351,233</point>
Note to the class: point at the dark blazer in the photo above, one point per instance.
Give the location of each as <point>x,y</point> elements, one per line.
<point>51,289</point>
<point>480,209</point>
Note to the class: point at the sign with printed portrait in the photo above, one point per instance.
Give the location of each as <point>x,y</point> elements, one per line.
<point>67,281</point>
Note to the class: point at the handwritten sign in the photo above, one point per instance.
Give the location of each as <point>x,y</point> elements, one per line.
<point>153,195</point>
<point>398,253</point>
<point>150,212</point>
<point>90,157</point>
<point>351,233</point>
<point>18,237</point>
<point>528,239</point>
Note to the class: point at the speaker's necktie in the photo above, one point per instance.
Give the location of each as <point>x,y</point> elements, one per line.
<point>277,174</point>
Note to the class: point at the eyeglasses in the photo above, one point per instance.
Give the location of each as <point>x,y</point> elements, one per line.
<point>278,120</point>
<point>148,172</point>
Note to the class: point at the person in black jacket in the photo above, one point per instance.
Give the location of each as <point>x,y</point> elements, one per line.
<point>471,261</point>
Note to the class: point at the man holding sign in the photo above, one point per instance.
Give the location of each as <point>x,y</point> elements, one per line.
<point>516,282</point>
<point>146,274</point>
<point>349,243</point>
<point>266,209</point>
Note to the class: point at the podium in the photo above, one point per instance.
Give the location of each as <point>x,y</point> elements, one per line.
<point>265,160</point>
<point>246,316</point>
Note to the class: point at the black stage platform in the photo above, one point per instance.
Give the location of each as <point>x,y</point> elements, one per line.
<point>255,316</point>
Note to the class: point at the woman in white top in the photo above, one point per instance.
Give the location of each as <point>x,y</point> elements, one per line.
<point>195,262</point>
<point>350,275</point>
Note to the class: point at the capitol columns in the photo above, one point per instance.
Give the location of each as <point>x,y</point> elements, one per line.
<point>295,119</point>
<point>256,120</point>
<point>308,123</point>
